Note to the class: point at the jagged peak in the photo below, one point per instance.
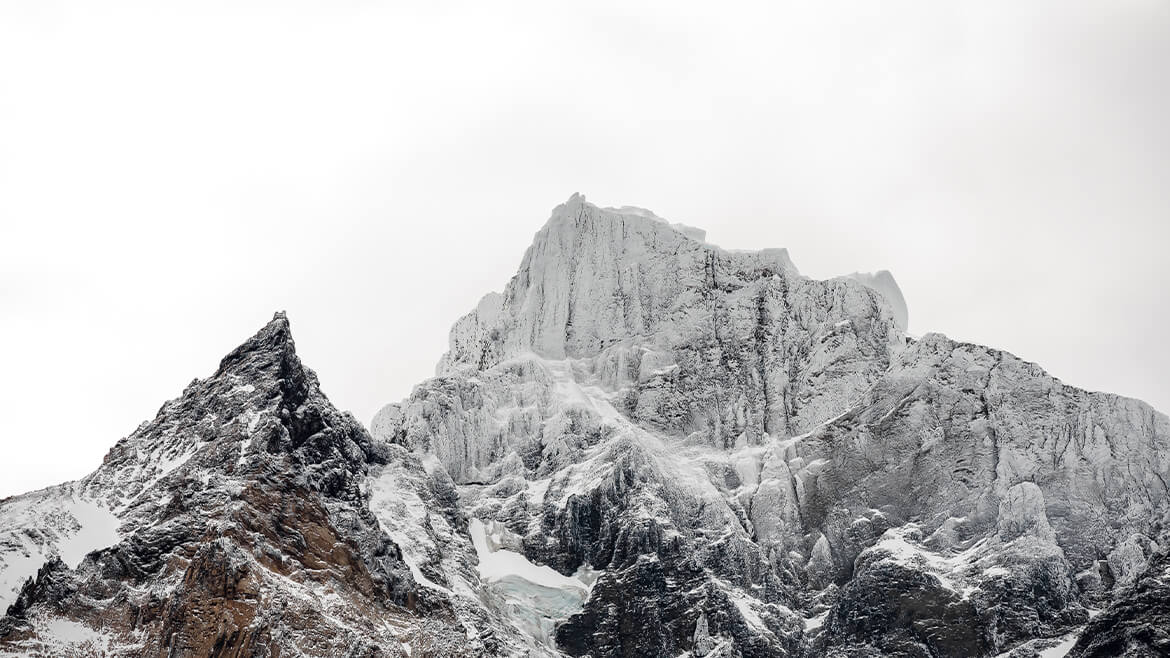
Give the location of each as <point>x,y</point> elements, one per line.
<point>884,283</point>
<point>562,299</point>
<point>274,338</point>
<point>577,207</point>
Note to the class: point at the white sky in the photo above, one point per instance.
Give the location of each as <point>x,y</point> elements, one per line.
<point>171,175</point>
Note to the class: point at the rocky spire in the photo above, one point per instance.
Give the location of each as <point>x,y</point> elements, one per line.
<point>271,346</point>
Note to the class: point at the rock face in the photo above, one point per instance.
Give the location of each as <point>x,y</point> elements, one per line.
<point>758,463</point>
<point>644,446</point>
<point>1138,623</point>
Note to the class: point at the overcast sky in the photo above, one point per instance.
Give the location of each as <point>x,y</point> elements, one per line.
<point>171,175</point>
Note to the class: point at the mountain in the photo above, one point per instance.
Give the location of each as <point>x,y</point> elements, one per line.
<point>249,518</point>
<point>644,446</point>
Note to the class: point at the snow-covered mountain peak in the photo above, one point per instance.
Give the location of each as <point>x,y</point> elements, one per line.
<point>596,279</point>
<point>578,214</point>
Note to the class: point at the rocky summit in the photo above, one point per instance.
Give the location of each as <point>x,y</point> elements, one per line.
<point>645,445</point>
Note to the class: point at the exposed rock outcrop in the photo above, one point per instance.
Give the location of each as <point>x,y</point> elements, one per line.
<point>1137,625</point>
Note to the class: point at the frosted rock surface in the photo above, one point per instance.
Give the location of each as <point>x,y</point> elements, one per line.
<point>1022,512</point>
<point>725,346</point>
<point>883,282</point>
<point>737,448</point>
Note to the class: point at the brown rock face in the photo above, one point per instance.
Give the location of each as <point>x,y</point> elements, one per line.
<point>214,606</point>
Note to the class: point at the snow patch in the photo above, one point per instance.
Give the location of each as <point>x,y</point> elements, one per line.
<point>253,422</point>
<point>573,394</point>
<point>51,522</point>
<point>98,530</point>
<point>497,563</point>
<point>537,596</point>
<point>813,623</point>
<point>17,564</point>
<point>537,489</point>
<point>1060,650</point>
<point>749,615</point>
<point>72,632</point>
<point>958,572</point>
<point>403,516</point>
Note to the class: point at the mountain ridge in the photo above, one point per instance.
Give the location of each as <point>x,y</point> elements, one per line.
<point>645,445</point>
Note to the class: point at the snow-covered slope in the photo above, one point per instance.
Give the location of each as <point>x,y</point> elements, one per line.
<point>55,522</point>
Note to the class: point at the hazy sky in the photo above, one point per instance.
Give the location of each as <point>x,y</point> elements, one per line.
<point>171,175</point>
